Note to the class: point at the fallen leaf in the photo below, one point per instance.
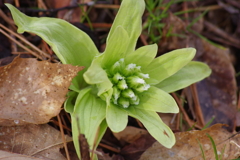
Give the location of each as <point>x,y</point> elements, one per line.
<point>130,134</point>
<point>134,150</point>
<point>238,119</point>
<point>13,156</point>
<point>33,91</point>
<point>42,141</point>
<point>187,146</point>
<point>217,93</point>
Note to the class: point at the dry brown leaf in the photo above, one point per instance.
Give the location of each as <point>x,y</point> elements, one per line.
<point>134,150</point>
<point>187,146</point>
<point>33,91</point>
<point>41,141</point>
<point>13,156</point>
<point>217,93</point>
<point>238,119</point>
<point>130,134</point>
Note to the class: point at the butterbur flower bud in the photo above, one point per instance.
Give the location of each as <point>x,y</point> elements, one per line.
<point>143,88</point>
<point>124,102</point>
<point>116,94</point>
<point>117,77</point>
<point>122,84</point>
<point>128,93</point>
<point>134,101</point>
<point>118,66</point>
<point>135,81</point>
<point>142,75</point>
<point>131,69</point>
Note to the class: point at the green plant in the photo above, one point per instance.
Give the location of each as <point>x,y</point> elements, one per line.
<point>200,145</point>
<point>121,81</point>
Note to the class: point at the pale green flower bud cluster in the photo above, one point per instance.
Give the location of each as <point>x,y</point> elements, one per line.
<point>128,81</point>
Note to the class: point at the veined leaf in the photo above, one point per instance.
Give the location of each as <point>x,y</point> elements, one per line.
<point>88,114</point>
<point>142,56</point>
<point>117,118</point>
<point>168,64</point>
<point>116,47</point>
<point>155,126</point>
<point>157,100</point>
<point>189,74</point>
<point>130,18</point>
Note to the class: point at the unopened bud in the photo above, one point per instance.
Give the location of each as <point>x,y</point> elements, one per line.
<point>143,88</point>
<point>117,77</point>
<point>122,84</point>
<point>128,93</point>
<point>135,81</point>
<point>124,102</point>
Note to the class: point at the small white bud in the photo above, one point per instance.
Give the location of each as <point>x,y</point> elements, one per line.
<point>123,102</point>
<point>117,77</point>
<point>140,80</point>
<point>128,93</point>
<point>143,88</point>
<point>116,93</point>
<point>122,84</point>
<point>118,66</point>
<point>142,75</point>
<point>130,66</point>
<point>135,81</point>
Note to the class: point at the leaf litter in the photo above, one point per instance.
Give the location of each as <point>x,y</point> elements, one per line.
<point>33,91</point>
<point>41,141</point>
<point>187,146</point>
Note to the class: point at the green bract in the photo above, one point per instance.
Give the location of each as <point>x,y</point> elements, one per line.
<point>121,81</point>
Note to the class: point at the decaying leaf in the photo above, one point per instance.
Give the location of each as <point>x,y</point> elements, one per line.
<point>33,91</point>
<point>130,134</point>
<point>40,141</point>
<point>134,150</point>
<point>217,93</point>
<point>187,146</point>
<point>12,156</point>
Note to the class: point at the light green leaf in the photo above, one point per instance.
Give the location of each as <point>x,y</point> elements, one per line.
<point>75,134</point>
<point>116,117</point>
<point>154,99</point>
<point>129,17</point>
<point>116,47</point>
<point>71,45</point>
<point>89,111</point>
<point>155,126</point>
<point>70,101</point>
<point>101,132</point>
<point>96,75</point>
<point>142,56</point>
<point>189,74</point>
<point>168,64</point>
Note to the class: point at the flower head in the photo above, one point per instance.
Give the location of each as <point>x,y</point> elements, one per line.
<point>121,81</point>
